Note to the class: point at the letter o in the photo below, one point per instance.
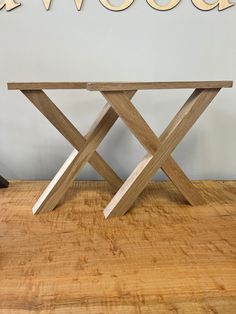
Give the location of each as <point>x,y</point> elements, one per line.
<point>125,5</point>
<point>171,5</point>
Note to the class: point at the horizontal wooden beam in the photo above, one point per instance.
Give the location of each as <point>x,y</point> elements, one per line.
<point>47,85</point>
<point>157,85</point>
<point>113,86</point>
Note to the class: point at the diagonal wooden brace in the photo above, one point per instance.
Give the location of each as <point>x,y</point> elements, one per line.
<point>44,104</point>
<point>173,134</point>
<point>77,160</point>
<point>152,143</point>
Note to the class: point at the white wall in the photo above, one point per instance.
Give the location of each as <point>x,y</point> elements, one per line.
<point>95,44</point>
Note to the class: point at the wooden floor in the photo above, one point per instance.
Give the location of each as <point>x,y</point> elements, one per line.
<point>164,256</point>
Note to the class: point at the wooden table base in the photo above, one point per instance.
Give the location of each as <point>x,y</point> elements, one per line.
<point>119,105</point>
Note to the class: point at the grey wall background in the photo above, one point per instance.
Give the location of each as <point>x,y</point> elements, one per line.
<point>96,44</point>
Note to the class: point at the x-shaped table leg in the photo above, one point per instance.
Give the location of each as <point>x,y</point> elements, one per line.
<point>159,150</point>
<point>85,148</point>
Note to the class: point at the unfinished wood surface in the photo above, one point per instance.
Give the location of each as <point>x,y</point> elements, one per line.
<point>141,175</point>
<point>44,104</point>
<point>3,182</point>
<point>159,151</point>
<point>108,86</point>
<point>150,141</point>
<point>157,85</point>
<point>46,85</point>
<point>76,161</point>
<point>163,257</point>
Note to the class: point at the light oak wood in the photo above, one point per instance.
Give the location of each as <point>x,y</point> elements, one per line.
<point>159,150</point>
<point>61,182</point>
<point>164,257</point>
<point>110,86</point>
<point>149,140</point>
<point>45,85</point>
<point>76,161</point>
<point>3,182</point>
<point>157,85</point>
<point>143,173</point>
<point>44,104</point>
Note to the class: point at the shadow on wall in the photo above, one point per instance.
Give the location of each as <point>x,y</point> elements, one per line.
<point>208,146</point>
<point>223,137</point>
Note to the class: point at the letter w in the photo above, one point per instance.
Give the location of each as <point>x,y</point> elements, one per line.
<point>47,4</point>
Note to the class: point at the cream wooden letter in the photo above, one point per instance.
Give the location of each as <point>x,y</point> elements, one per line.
<point>125,5</point>
<point>47,4</point>
<point>171,5</point>
<point>10,5</point>
<point>203,5</point>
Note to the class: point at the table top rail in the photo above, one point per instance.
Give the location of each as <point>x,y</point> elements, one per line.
<point>157,85</point>
<point>47,85</point>
<point>120,86</point>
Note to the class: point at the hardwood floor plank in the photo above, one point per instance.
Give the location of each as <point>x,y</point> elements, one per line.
<point>162,257</point>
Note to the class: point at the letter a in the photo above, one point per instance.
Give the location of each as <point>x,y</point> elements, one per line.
<point>203,5</point>
<point>10,5</point>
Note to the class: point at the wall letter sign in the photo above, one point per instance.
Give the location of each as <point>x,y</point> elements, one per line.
<point>9,4</point>
<point>125,5</point>
<point>203,5</point>
<point>47,4</point>
<point>169,6</point>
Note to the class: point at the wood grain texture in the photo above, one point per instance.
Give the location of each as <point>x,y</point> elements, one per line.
<point>141,130</point>
<point>163,257</point>
<point>76,161</point>
<point>157,85</point>
<point>44,104</point>
<point>109,86</point>
<point>139,178</point>
<point>82,153</point>
<point>46,85</point>
<point>3,182</point>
